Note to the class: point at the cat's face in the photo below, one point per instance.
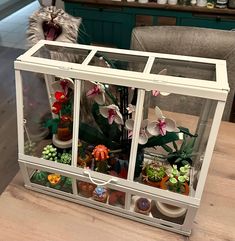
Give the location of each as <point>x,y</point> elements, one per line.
<point>53,24</point>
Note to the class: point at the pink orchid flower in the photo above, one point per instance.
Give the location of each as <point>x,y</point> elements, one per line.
<point>161,125</point>
<point>97,92</point>
<point>143,135</point>
<point>113,114</point>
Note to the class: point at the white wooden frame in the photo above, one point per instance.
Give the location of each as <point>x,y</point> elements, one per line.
<point>144,81</point>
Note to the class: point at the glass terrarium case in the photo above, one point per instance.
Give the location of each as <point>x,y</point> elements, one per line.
<point>128,132</point>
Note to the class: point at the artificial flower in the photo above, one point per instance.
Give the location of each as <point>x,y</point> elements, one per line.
<point>112,113</point>
<point>130,108</point>
<point>66,118</point>
<point>143,136</point>
<point>60,96</point>
<point>56,107</point>
<point>64,83</point>
<point>97,92</point>
<point>161,125</point>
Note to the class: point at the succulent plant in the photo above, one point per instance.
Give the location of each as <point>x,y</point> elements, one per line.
<point>65,158</point>
<point>155,172</point>
<point>178,177</point>
<point>182,155</point>
<point>50,153</point>
<point>39,177</point>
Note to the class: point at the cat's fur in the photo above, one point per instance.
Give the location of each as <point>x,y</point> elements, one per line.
<point>69,25</point>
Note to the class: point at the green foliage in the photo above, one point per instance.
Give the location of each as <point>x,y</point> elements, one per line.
<point>65,158</point>
<point>178,177</point>
<point>155,172</point>
<point>52,124</point>
<point>50,153</point>
<point>39,177</point>
<point>181,155</point>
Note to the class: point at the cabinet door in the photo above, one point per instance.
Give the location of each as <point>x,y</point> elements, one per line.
<point>103,26</point>
<point>209,21</point>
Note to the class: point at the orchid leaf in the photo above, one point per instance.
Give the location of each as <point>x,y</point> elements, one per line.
<point>160,140</point>
<point>93,136</point>
<point>167,148</point>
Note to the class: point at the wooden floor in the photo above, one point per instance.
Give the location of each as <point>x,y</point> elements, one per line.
<point>8,144</point>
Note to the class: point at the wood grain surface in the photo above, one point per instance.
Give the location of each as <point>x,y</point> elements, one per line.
<point>27,215</point>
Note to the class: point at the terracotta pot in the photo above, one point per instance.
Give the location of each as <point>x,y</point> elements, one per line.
<point>64,133</point>
<point>165,186</point>
<point>149,182</point>
<point>86,189</point>
<point>84,162</point>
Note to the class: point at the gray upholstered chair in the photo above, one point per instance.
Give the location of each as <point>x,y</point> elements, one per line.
<point>192,41</point>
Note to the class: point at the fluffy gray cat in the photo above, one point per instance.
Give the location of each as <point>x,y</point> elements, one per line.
<point>52,24</point>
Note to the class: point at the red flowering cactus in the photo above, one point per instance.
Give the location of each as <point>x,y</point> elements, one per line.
<point>61,97</point>
<point>62,106</point>
<point>56,107</point>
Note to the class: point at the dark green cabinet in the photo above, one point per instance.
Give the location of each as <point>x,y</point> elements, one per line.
<point>112,23</point>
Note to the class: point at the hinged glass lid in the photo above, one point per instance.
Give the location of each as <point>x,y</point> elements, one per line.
<point>198,76</point>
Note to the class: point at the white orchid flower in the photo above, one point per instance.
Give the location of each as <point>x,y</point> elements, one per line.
<point>113,114</point>
<point>131,108</point>
<point>161,125</point>
<point>97,92</point>
<point>143,136</point>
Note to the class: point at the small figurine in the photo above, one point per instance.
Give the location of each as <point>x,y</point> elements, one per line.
<point>100,194</point>
<point>143,206</point>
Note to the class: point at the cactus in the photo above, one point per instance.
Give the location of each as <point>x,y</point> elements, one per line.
<point>65,158</point>
<point>50,153</point>
<point>155,172</point>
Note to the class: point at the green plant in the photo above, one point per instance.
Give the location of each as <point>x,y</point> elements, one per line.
<point>181,155</point>
<point>178,178</point>
<point>65,158</point>
<point>50,153</point>
<point>154,171</point>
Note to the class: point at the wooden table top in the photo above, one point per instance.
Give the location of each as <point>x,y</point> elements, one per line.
<point>26,215</point>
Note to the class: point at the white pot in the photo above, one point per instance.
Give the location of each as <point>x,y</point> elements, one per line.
<point>143,1</point>
<point>201,3</point>
<point>162,1</point>
<point>172,2</point>
<point>170,210</point>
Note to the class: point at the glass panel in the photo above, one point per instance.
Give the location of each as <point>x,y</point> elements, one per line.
<point>101,194</point>
<point>156,209</point>
<point>185,69</point>
<point>172,141</point>
<point>104,145</point>
<point>48,117</point>
<point>62,53</point>
<point>120,61</point>
<point>51,180</point>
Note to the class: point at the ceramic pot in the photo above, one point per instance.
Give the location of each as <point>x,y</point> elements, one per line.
<point>161,1</point>
<point>64,133</point>
<point>86,189</point>
<point>86,161</point>
<point>172,2</point>
<point>164,185</point>
<point>170,210</point>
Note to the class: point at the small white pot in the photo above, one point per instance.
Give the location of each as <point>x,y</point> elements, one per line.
<point>201,3</point>
<point>143,1</point>
<point>172,2</point>
<point>170,210</point>
<point>162,1</point>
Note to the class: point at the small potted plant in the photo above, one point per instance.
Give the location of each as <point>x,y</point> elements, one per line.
<point>182,155</point>
<point>101,155</point>
<point>62,107</point>
<point>152,173</point>
<point>177,181</point>
<point>84,157</point>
